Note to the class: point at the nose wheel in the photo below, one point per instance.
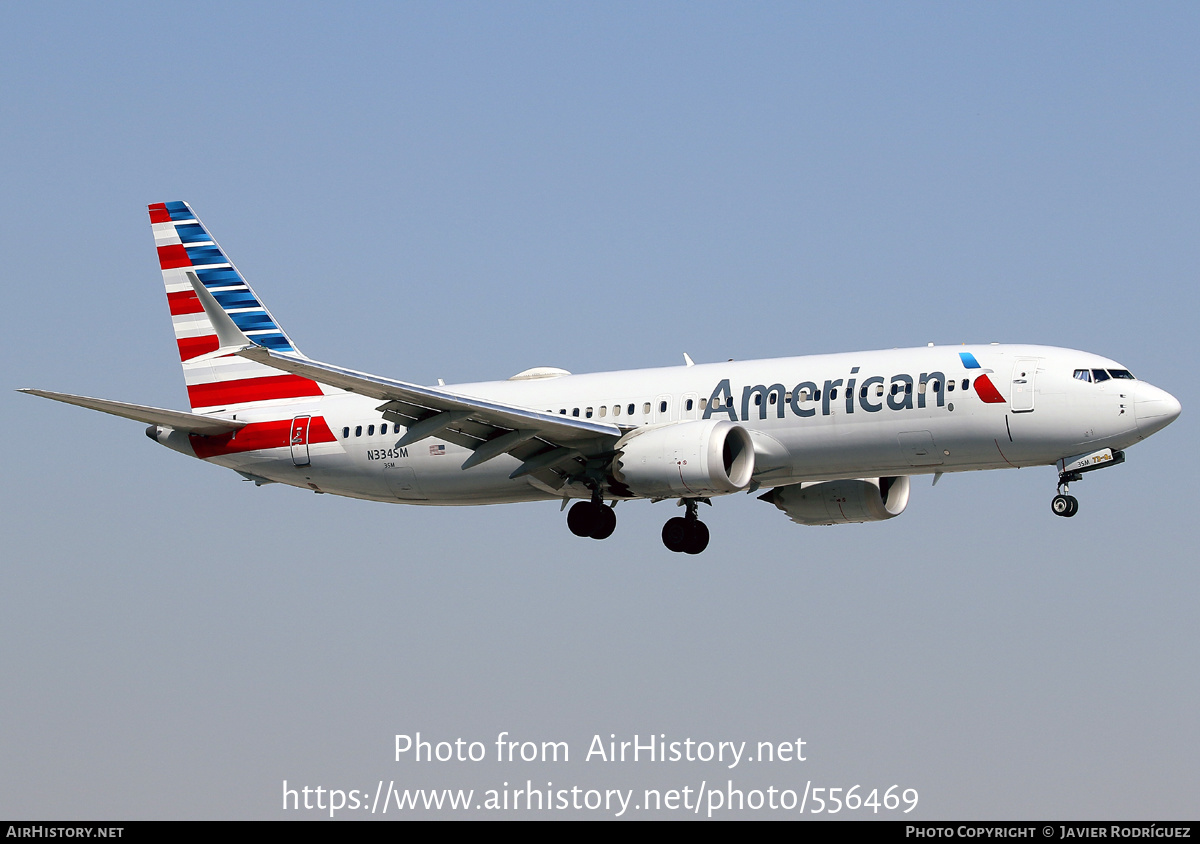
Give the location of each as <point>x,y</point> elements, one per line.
<point>687,535</point>
<point>1065,505</point>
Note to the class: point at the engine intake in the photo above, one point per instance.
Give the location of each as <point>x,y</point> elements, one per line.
<point>841,502</point>
<point>713,457</point>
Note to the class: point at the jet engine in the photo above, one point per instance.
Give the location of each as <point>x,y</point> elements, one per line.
<point>841,502</point>
<point>687,459</point>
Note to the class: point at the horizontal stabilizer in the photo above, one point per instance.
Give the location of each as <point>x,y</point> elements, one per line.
<point>192,423</point>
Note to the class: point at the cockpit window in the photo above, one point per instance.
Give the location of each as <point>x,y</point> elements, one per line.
<point>1098,375</point>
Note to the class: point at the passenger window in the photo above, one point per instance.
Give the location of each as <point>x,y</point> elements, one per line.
<point>966,385</point>
<point>862,394</point>
<point>804,394</point>
<point>816,395</point>
<point>562,411</point>
<point>345,433</point>
<point>689,404</point>
<point>616,410</point>
<point>662,407</point>
<point>646,407</point>
<point>603,411</point>
<point>950,387</point>
<point>895,389</point>
<point>574,411</point>
<point>358,430</point>
<point>908,389</point>
<point>370,430</point>
<point>703,404</point>
<point>878,390</point>
<point>921,388</point>
<point>588,413</point>
<point>833,394</point>
<point>757,399</point>
<point>630,410</point>
<point>774,396</point>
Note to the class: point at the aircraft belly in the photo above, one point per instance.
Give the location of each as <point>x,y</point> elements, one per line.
<point>867,446</point>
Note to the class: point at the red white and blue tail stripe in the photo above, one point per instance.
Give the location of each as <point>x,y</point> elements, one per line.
<point>214,384</point>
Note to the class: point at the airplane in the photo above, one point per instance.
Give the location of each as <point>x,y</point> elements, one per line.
<point>827,439</point>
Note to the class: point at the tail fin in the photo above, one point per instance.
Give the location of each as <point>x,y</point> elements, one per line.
<point>215,384</point>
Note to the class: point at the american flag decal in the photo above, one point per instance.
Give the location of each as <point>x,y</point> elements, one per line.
<point>437,450</point>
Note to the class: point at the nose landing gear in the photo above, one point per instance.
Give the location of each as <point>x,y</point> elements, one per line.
<point>1063,504</point>
<point>686,535</point>
<point>1071,469</point>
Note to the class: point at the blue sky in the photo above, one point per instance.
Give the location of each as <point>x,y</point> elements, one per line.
<point>463,191</point>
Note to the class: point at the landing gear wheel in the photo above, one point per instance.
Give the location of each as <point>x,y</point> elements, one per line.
<point>606,522</point>
<point>592,519</point>
<point>674,534</point>
<point>686,536</point>
<point>582,519</point>
<point>1065,505</point>
<point>697,539</point>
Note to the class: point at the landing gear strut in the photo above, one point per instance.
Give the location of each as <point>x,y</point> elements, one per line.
<point>688,534</point>
<point>1063,504</point>
<point>1071,469</point>
<point>592,518</point>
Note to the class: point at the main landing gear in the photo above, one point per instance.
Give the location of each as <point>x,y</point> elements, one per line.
<point>688,535</point>
<point>592,518</point>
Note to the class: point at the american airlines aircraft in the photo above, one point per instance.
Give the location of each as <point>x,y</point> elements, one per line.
<point>828,439</point>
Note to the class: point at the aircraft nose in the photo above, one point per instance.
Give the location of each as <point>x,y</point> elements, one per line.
<point>1154,409</point>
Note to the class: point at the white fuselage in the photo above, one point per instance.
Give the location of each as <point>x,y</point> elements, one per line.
<point>823,417</point>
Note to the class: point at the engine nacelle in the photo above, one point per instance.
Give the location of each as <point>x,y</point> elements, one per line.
<point>691,459</point>
<point>841,502</point>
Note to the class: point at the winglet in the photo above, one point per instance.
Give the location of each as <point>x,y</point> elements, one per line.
<point>229,337</point>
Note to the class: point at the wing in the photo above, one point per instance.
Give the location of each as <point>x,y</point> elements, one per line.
<point>552,449</point>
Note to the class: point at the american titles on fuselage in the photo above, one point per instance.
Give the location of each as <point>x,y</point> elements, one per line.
<point>873,394</point>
